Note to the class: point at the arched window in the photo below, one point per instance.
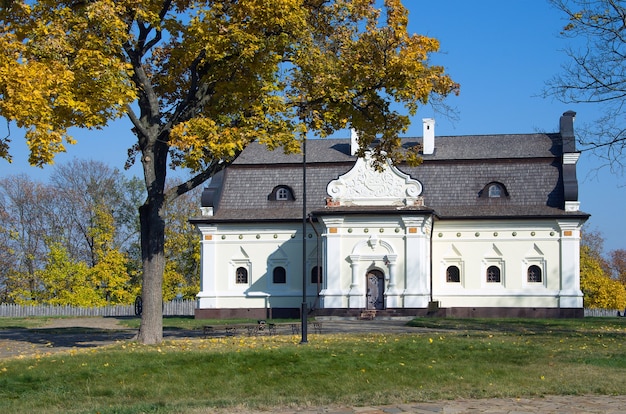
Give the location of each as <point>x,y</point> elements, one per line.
<point>493,274</point>
<point>279,275</point>
<point>241,275</point>
<point>534,274</point>
<point>315,273</point>
<point>453,274</point>
<point>494,190</point>
<point>282,194</point>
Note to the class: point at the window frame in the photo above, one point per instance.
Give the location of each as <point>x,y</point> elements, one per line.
<point>247,277</point>
<point>499,275</point>
<point>458,274</point>
<point>284,275</point>
<point>488,191</point>
<point>495,191</point>
<point>456,261</point>
<point>541,263</point>
<point>235,264</point>
<point>528,274</point>
<point>281,193</point>
<point>498,262</point>
<point>313,279</point>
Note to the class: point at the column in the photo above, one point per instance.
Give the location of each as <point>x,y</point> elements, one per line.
<point>356,296</point>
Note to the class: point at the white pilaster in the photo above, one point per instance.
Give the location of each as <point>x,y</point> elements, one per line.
<point>392,294</point>
<point>570,295</point>
<point>207,297</point>
<point>417,254</point>
<point>331,296</point>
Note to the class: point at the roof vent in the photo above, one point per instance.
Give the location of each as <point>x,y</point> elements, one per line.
<point>354,142</point>
<point>429,135</point>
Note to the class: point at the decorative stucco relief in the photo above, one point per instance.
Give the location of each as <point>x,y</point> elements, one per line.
<point>363,185</point>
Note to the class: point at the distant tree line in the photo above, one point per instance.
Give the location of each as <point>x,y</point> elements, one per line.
<point>74,240</point>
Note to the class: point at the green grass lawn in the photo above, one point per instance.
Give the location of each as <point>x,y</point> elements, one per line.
<point>23,323</point>
<point>459,358</point>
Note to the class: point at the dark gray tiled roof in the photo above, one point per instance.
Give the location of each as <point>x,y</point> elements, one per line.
<point>529,165</point>
<point>472,147</point>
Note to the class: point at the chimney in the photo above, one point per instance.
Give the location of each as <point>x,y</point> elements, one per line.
<point>566,128</point>
<point>429,135</point>
<point>354,142</point>
<point>570,158</point>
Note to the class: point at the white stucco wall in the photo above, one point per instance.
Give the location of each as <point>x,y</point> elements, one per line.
<point>473,246</point>
<point>257,248</point>
<point>400,248</point>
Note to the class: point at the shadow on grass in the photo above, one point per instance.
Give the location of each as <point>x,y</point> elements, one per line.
<point>72,337</point>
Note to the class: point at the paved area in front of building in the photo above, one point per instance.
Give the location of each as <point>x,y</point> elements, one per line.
<point>540,405</point>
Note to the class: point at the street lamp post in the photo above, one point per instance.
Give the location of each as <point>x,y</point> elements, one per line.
<point>303,311</point>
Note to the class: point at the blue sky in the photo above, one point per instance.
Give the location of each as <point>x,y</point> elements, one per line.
<point>500,51</point>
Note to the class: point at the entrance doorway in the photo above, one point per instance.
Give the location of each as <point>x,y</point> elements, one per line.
<point>375,290</point>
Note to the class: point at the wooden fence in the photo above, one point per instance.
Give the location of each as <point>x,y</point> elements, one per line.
<point>173,308</point>
<point>603,312</point>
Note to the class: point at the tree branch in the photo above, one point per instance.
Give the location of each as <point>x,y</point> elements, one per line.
<point>214,168</point>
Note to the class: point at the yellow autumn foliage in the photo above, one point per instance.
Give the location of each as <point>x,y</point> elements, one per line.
<point>600,290</point>
<point>61,69</point>
<point>276,69</point>
<point>110,274</point>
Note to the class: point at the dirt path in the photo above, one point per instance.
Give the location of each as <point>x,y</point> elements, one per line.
<point>62,334</point>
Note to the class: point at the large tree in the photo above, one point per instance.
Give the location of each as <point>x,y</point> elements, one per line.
<point>596,73</point>
<point>199,80</point>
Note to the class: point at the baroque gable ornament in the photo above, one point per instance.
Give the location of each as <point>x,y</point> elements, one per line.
<point>363,185</point>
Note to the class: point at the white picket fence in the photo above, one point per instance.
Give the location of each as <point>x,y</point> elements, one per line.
<point>173,308</point>
<point>603,313</point>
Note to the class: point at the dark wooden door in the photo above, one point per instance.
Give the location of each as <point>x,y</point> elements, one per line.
<point>375,290</point>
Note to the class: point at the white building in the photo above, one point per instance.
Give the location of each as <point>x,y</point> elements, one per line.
<point>485,226</point>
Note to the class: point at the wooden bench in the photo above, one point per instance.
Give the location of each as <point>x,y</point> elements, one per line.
<point>261,328</point>
<point>264,327</point>
<point>367,315</point>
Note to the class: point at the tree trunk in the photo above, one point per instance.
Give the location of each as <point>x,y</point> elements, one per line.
<point>153,258</point>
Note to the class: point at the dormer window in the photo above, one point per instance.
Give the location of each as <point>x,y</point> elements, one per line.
<point>494,190</point>
<point>281,193</point>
